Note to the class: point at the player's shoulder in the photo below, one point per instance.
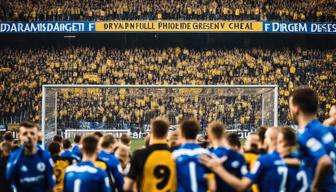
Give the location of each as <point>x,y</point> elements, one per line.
<point>190,150</point>
<point>143,153</point>
<point>268,158</point>
<point>235,155</point>
<point>219,151</point>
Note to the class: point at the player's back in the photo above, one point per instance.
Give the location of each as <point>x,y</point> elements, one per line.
<point>60,165</point>
<point>153,168</point>
<point>235,164</point>
<point>69,154</point>
<point>112,169</point>
<point>315,141</point>
<point>191,175</point>
<point>269,173</point>
<point>297,177</point>
<point>85,177</point>
<point>76,150</point>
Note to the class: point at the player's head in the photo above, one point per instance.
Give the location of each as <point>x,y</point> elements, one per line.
<point>54,148</point>
<point>251,143</point>
<point>58,139</point>
<point>108,142</point>
<point>39,137</point>
<point>98,134</point>
<point>6,148</point>
<point>261,136</point>
<point>125,139</point>
<point>77,139</point>
<point>122,154</point>
<point>286,138</point>
<point>271,137</point>
<point>173,139</point>
<point>233,141</point>
<point>90,145</point>
<point>303,102</point>
<point>216,131</point>
<point>159,128</point>
<point>189,129</point>
<point>28,134</point>
<point>332,112</point>
<point>331,121</point>
<point>8,136</point>
<point>66,144</point>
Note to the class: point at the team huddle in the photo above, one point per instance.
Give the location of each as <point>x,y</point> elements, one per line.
<point>277,159</point>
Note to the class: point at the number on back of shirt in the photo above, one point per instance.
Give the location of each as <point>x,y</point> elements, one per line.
<point>283,171</point>
<point>302,177</point>
<point>162,173</point>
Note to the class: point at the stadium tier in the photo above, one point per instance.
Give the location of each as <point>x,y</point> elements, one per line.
<point>276,10</point>
<point>26,70</point>
<point>167,95</point>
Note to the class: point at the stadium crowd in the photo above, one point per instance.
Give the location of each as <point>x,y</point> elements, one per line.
<point>24,71</point>
<point>277,158</point>
<point>275,10</point>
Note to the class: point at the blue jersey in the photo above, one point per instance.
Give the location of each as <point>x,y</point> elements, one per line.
<point>76,150</point>
<point>30,173</point>
<point>69,154</point>
<point>269,172</point>
<point>114,168</point>
<point>316,141</point>
<point>85,177</point>
<point>235,164</point>
<point>297,180</point>
<point>191,175</point>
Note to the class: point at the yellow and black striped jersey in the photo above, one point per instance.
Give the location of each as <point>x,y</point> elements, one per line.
<point>154,169</point>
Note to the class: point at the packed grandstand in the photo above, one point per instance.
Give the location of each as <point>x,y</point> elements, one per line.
<point>260,10</point>
<point>29,69</point>
<point>79,139</point>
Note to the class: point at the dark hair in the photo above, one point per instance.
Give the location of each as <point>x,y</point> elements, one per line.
<point>98,134</point>
<point>190,128</point>
<point>8,136</point>
<point>261,134</point>
<point>254,146</point>
<point>28,124</point>
<point>58,138</point>
<point>89,144</point>
<point>125,139</point>
<point>66,143</point>
<point>6,147</point>
<point>289,136</point>
<point>108,140</point>
<point>217,129</point>
<point>54,148</point>
<point>306,99</point>
<point>77,138</point>
<point>233,139</point>
<point>160,127</point>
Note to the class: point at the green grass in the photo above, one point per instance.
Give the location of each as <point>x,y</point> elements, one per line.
<point>137,144</point>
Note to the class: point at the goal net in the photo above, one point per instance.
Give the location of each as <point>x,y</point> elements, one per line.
<point>81,109</point>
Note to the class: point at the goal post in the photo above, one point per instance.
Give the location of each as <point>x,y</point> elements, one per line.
<point>127,108</point>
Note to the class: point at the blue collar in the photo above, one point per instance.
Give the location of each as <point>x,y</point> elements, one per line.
<point>313,123</point>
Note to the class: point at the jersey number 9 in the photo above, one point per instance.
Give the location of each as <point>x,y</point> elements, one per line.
<point>163,173</point>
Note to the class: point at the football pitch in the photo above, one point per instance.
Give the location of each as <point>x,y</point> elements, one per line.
<point>137,144</point>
